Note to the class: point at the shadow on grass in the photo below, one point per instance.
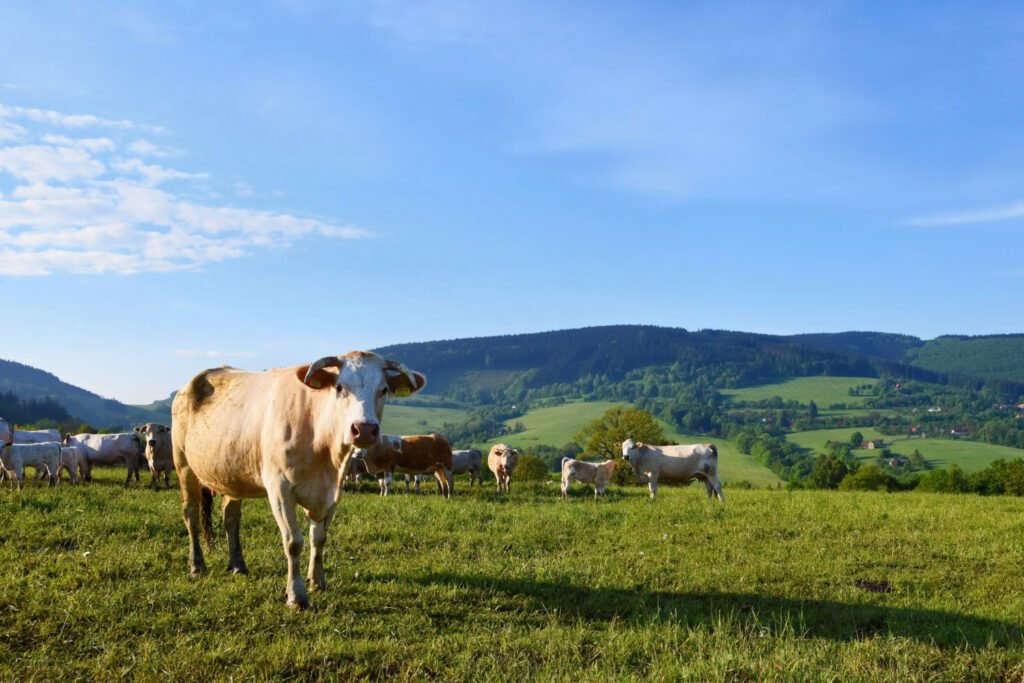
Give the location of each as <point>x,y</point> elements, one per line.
<point>758,614</point>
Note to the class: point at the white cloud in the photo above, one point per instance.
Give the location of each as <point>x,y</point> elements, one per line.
<point>145,148</point>
<point>89,204</point>
<point>986,215</point>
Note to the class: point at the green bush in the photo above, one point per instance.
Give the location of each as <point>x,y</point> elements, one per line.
<point>867,478</point>
<point>530,468</point>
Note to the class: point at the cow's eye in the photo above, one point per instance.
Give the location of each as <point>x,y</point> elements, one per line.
<point>342,391</point>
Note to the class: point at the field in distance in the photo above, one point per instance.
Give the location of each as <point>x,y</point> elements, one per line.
<point>772,586</point>
<point>971,456</point>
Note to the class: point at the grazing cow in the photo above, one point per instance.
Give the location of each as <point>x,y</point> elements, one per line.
<point>36,436</point>
<point>284,434</point>
<point>356,469</point>
<point>502,461</point>
<point>108,449</point>
<point>6,431</point>
<point>586,472</point>
<point>674,463</point>
<point>418,454</point>
<point>15,456</point>
<point>157,451</point>
<point>468,460</point>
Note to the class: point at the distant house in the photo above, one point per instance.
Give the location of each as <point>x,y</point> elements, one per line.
<point>959,431</point>
<point>935,409</point>
<point>898,462</point>
<point>872,445</point>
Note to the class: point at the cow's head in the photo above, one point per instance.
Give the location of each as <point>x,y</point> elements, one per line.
<point>360,386</point>
<point>630,449</point>
<point>507,456</point>
<point>151,434</point>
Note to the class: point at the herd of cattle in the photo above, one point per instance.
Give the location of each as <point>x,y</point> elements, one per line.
<point>295,436</point>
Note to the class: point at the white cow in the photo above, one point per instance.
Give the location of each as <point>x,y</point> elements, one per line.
<point>6,431</point>
<point>468,460</point>
<point>674,463</point>
<point>108,449</point>
<point>586,472</point>
<point>70,460</point>
<point>502,461</point>
<point>157,451</point>
<point>36,436</point>
<point>15,456</point>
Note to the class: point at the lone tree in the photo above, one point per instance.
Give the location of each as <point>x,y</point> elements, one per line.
<point>616,425</point>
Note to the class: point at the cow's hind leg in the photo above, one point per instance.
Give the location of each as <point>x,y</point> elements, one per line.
<point>232,510</point>
<point>191,502</point>
<point>316,577</point>
<point>282,503</point>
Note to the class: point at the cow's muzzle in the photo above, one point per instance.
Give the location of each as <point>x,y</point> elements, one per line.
<point>365,433</point>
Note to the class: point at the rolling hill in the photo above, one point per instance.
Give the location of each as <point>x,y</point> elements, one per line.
<point>27,382</point>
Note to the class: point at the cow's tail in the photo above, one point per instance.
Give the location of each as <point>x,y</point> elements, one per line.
<point>206,514</point>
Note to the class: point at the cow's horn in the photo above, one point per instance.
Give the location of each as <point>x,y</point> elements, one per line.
<point>325,362</point>
<point>398,367</point>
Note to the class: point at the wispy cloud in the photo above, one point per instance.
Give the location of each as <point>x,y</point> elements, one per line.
<point>986,215</point>
<point>90,204</point>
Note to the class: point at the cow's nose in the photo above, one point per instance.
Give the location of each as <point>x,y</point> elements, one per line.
<point>365,432</point>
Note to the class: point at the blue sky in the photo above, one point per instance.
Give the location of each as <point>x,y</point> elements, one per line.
<point>265,183</point>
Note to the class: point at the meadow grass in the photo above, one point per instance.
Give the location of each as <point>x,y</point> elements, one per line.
<point>773,585</point>
<point>970,456</point>
<point>403,419</point>
<point>824,391</point>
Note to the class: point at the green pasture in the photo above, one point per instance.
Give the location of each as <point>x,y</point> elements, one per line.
<point>403,419</point>
<point>971,456</point>
<point>556,425</point>
<point>824,391</point>
<point>772,586</point>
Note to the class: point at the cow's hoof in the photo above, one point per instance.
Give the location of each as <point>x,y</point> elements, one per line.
<point>316,585</point>
<point>239,569</point>
<point>197,570</point>
<point>299,605</point>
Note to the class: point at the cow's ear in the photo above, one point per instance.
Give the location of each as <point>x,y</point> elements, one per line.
<point>618,445</point>
<point>639,444</point>
<point>403,383</point>
<point>321,379</point>
<point>138,429</point>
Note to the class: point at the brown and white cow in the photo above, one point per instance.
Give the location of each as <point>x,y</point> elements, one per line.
<point>502,462</point>
<point>156,443</point>
<point>674,463</point>
<point>283,434</point>
<point>417,454</point>
<point>108,449</point>
<point>594,473</point>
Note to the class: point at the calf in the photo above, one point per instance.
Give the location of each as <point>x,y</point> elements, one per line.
<point>156,439</point>
<point>419,454</point>
<point>502,461</point>
<point>15,456</point>
<point>586,472</point>
<point>674,463</point>
<point>70,460</point>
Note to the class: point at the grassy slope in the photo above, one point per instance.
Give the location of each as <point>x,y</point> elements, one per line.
<point>824,391</point>
<point>772,586</point>
<point>969,455</point>
<point>401,419</point>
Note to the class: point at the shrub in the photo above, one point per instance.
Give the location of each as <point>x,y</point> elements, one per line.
<point>531,468</point>
<point>867,478</point>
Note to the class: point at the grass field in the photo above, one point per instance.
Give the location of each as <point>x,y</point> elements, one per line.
<point>402,419</point>
<point>773,586</point>
<point>824,391</point>
<point>971,456</point>
<point>555,426</point>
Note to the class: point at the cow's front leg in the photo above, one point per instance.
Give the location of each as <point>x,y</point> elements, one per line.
<point>282,503</point>
<point>318,536</point>
<point>652,485</point>
<point>232,511</point>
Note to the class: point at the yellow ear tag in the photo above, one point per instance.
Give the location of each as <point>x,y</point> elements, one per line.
<point>315,383</point>
<point>402,391</point>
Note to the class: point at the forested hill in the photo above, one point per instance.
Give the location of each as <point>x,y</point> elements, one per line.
<point>999,356</point>
<point>571,362</point>
<point>27,389</point>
